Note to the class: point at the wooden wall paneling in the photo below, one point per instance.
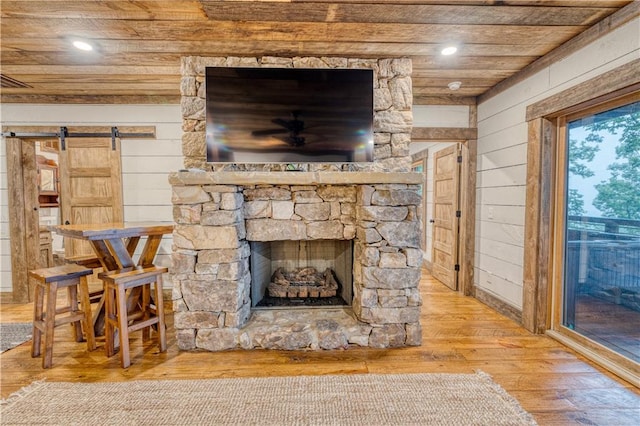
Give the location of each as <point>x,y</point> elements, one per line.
<point>24,231</point>
<point>16,220</point>
<point>537,243</point>
<point>615,83</point>
<point>532,225</point>
<point>467,236</point>
<point>443,133</point>
<point>31,207</point>
<point>419,160</point>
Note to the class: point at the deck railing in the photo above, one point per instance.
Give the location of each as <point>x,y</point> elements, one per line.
<point>603,259</point>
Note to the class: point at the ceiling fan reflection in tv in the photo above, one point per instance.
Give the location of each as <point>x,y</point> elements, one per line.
<point>294,127</point>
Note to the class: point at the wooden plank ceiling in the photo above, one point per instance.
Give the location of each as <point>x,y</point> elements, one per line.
<point>139,42</point>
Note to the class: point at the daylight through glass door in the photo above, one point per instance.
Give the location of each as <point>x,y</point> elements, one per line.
<point>601,280</point>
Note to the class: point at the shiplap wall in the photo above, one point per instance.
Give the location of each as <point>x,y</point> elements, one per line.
<point>146,163</point>
<point>502,155</point>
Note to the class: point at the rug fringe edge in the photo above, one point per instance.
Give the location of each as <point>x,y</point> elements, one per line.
<point>21,393</point>
<point>526,416</point>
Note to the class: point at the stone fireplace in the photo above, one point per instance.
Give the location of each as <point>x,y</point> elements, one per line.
<point>308,273</point>
<point>237,224</point>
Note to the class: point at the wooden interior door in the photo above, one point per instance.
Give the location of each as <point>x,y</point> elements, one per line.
<point>446,195</point>
<point>90,185</point>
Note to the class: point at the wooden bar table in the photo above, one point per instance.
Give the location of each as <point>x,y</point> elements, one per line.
<point>114,245</point>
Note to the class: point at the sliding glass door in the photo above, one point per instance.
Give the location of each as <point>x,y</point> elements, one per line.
<point>599,224</point>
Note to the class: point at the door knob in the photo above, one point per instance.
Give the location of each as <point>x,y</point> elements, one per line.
<point>432,221</point>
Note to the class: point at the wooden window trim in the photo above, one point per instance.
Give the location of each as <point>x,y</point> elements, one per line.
<point>621,365</point>
<point>544,220</point>
<point>541,151</point>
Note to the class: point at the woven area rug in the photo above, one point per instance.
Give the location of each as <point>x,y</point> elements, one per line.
<point>14,334</point>
<point>361,399</point>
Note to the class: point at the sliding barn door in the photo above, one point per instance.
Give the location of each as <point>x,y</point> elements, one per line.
<point>90,186</point>
<point>446,189</point>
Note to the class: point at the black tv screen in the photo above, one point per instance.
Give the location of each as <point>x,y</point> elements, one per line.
<point>290,115</point>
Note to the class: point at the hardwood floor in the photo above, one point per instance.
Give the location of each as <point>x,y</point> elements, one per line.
<point>461,335</point>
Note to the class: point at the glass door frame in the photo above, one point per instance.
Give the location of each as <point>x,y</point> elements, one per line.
<point>620,365</point>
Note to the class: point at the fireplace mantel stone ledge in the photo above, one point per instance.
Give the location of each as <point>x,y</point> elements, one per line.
<point>298,178</point>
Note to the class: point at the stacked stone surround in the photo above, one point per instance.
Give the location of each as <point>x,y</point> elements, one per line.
<point>211,276</point>
<point>392,121</point>
<point>220,208</point>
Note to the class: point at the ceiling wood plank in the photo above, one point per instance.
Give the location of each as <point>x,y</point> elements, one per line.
<point>152,10</point>
<point>557,3</point>
<point>98,89</point>
<point>414,14</point>
<point>140,43</point>
<point>241,47</point>
<point>444,100</point>
<point>89,78</point>
<point>93,69</point>
<point>403,13</point>
<point>286,31</point>
<point>91,99</point>
<point>621,17</point>
<point>161,60</point>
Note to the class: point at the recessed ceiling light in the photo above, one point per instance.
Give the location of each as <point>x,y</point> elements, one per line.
<point>82,45</point>
<point>449,50</point>
<point>454,85</point>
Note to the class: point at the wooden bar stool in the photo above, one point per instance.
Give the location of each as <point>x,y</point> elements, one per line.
<point>48,281</point>
<point>129,319</point>
<point>91,262</point>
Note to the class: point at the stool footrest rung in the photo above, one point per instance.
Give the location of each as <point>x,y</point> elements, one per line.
<point>127,316</point>
<point>48,281</point>
<point>142,324</point>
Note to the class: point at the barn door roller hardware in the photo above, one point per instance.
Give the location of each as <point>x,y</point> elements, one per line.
<point>64,133</point>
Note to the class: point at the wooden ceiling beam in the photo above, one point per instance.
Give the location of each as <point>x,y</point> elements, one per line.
<point>556,3</point>
<point>371,12</point>
<point>360,12</point>
<point>90,99</point>
<point>49,78</point>
<point>93,69</point>
<point>621,17</point>
<point>286,31</point>
<point>241,47</point>
<point>68,58</point>
<point>143,85</point>
<point>178,10</point>
<point>444,100</point>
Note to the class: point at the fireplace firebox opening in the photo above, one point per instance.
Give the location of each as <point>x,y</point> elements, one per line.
<point>309,273</point>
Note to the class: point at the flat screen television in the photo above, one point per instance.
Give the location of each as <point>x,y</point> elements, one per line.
<point>289,115</point>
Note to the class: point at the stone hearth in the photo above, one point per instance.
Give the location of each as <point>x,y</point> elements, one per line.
<point>222,209</point>
<point>211,273</point>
